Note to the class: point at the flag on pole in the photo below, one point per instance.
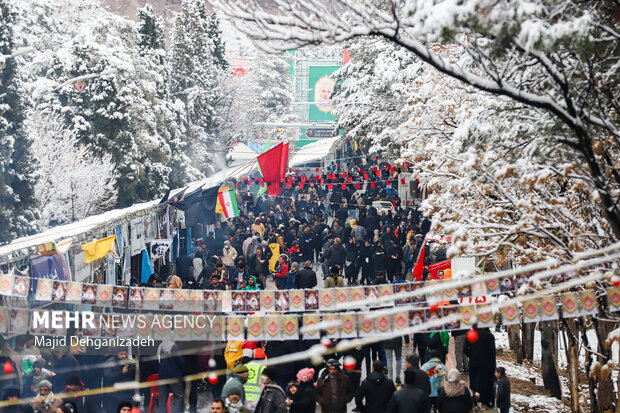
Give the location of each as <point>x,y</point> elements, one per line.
<point>228,202</point>
<point>418,269</point>
<point>263,189</point>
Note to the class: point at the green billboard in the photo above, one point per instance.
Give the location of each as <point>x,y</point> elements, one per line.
<point>321,86</point>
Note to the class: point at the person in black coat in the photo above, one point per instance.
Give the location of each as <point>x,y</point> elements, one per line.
<point>366,263</point>
<point>284,372</point>
<point>351,268</point>
<point>118,369</point>
<point>64,365</point>
<point>336,254</point>
<point>304,400</point>
<point>371,223</point>
<point>342,214</point>
<point>435,344</point>
<point>307,243</point>
<point>481,355</point>
<point>376,389</point>
<point>394,258</point>
<point>306,277</point>
<point>422,381</point>
<point>185,268</point>
<point>409,399</point>
<point>502,401</point>
<point>379,259</point>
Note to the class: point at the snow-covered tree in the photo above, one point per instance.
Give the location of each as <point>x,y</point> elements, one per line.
<point>264,95</point>
<point>152,49</point>
<point>73,183</point>
<point>557,58</point>
<point>120,110</point>
<point>215,34</point>
<point>18,210</point>
<point>529,169</point>
<point>193,82</point>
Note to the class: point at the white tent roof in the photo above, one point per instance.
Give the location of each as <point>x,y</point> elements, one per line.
<point>116,217</point>
<point>313,151</point>
<point>241,152</point>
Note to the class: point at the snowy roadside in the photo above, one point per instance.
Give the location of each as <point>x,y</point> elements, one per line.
<point>528,394</point>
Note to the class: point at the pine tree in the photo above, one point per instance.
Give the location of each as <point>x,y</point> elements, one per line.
<point>17,168</point>
<point>151,30</point>
<point>215,34</point>
<point>194,82</point>
<point>152,48</point>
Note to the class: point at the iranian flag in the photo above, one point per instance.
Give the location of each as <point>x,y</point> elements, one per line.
<point>227,201</point>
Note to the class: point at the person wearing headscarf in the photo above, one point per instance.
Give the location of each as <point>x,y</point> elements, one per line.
<point>303,401</point>
<point>454,396</point>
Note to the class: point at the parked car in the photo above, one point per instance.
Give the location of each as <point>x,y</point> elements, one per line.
<point>383,207</point>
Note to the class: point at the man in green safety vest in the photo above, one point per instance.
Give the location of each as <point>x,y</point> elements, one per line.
<point>253,386</point>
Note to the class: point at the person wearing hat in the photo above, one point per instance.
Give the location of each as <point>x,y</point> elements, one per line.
<point>409,399</point>
<point>236,382</point>
<point>291,277</point>
<point>124,407</point>
<point>252,387</point>
<point>306,277</point>
<point>233,401</point>
<point>273,398</point>
<point>334,389</point>
<point>334,279</point>
<point>454,396</point>
<point>118,369</point>
<point>304,400</point>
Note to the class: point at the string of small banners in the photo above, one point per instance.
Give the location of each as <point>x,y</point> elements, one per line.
<point>287,326</point>
<point>285,308</point>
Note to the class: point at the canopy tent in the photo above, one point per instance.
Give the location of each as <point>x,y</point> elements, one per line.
<point>314,151</point>
<point>241,153</point>
<point>93,226</point>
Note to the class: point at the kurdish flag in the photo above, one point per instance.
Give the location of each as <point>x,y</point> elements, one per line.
<point>227,203</point>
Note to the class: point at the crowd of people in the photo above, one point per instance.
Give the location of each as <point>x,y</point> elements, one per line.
<point>57,385</point>
<point>304,238</point>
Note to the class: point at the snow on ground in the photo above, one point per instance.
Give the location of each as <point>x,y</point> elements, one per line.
<point>522,403</point>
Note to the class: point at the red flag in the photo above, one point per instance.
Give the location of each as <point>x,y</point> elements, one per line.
<point>273,164</point>
<point>344,186</point>
<point>330,186</point>
<point>301,185</point>
<point>388,182</point>
<point>418,270</point>
<point>344,174</point>
<point>350,179</point>
<point>402,181</point>
<point>372,184</point>
<point>365,176</point>
<point>303,178</point>
<point>357,185</point>
<point>317,169</point>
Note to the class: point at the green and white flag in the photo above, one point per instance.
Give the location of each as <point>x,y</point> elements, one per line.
<point>228,202</point>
